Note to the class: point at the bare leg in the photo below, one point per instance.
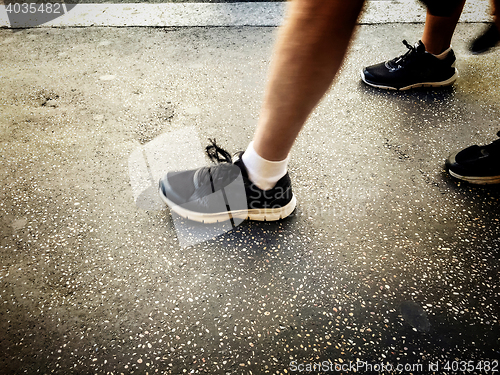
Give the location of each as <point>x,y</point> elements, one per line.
<point>309,51</point>
<point>439,30</point>
<point>495,10</point>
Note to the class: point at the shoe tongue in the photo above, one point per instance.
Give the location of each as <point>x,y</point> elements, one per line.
<point>216,176</point>
<point>419,46</point>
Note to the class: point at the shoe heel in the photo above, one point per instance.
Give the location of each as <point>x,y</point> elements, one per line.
<point>272,214</point>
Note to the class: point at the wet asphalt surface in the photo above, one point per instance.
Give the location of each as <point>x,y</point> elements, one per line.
<point>386,259</point>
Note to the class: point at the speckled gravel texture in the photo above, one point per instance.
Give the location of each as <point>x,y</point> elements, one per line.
<point>386,258</point>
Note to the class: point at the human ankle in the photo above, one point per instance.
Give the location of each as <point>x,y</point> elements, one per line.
<point>437,49</point>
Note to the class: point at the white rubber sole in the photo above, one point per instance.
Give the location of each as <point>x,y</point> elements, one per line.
<point>477,180</point>
<point>447,82</point>
<point>262,214</point>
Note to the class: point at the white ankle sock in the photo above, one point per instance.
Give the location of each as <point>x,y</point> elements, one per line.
<point>263,173</point>
<point>443,54</point>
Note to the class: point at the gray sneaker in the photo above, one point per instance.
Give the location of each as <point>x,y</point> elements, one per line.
<point>224,192</point>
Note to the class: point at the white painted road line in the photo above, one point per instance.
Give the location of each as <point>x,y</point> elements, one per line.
<point>221,14</point>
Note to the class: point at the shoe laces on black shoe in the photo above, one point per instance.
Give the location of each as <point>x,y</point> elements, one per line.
<point>217,154</point>
<point>213,178</point>
<point>400,61</point>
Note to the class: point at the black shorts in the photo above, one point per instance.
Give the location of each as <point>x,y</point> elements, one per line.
<point>442,8</point>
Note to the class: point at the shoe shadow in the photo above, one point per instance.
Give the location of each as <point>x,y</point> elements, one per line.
<point>256,236</point>
<point>423,94</point>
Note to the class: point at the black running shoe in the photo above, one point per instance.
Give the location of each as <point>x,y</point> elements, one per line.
<point>476,164</point>
<point>416,68</point>
<point>223,192</point>
<point>485,41</point>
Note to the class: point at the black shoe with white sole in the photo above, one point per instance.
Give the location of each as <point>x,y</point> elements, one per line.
<point>416,68</point>
<point>223,192</point>
<point>476,164</point>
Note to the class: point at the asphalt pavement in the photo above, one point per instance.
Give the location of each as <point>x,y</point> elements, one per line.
<point>386,261</point>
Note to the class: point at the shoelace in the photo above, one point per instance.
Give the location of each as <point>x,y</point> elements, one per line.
<point>401,59</point>
<point>222,170</point>
<point>213,151</point>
